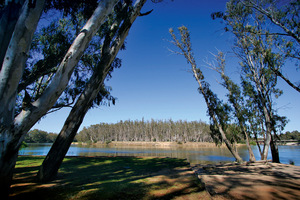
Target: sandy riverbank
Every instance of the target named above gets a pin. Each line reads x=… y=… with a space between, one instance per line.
x=158 y=144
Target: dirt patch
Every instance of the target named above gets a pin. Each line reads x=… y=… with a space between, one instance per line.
x=179 y=183
x=251 y=180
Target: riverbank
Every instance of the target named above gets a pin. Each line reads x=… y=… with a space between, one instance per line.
x=157 y=144
x=259 y=180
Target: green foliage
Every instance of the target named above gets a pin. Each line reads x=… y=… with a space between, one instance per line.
x=23 y=145
x=72 y=8
x=255 y=45
x=50 y=44
x=218 y=111
x=39 y=136
x=294 y=135
x=273 y=27
x=159 y=131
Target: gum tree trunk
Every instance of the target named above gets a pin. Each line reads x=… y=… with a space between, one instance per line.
x=9 y=16
x=274 y=150
x=13 y=129
x=54 y=158
x=20 y=34
x=251 y=154
x=186 y=50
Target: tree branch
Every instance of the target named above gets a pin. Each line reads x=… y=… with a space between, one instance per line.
x=276 y=22
x=278 y=73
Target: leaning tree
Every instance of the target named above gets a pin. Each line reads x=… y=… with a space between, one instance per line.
x=13 y=128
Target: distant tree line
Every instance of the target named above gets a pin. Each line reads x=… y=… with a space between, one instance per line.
x=160 y=131
x=294 y=135
x=154 y=130
x=39 y=136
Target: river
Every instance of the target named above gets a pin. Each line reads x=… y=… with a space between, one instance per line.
x=193 y=155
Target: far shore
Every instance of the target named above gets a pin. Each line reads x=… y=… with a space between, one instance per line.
x=166 y=144
x=157 y=144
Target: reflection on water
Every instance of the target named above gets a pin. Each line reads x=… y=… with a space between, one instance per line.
x=194 y=156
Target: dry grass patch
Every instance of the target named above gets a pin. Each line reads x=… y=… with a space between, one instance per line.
x=109 y=178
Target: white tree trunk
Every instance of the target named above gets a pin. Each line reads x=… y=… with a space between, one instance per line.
x=15 y=58
x=61 y=145
x=13 y=130
x=9 y=16
x=27 y=118
x=10 y=75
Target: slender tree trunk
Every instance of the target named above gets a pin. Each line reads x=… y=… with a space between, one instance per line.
x=262 y=93
x=258 y=146
x=232 y=150
x=268 y=135
x=54 y=158
x=274 y=150
x=13 y=130
x=273 y=145
x=251 y=154
x=60 y=147
x=296 y=87
x=185 y=46
x=230 y=147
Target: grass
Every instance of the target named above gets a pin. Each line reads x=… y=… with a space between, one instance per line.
x=109 y=178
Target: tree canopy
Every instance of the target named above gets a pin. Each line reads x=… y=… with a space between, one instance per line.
x=151 y=131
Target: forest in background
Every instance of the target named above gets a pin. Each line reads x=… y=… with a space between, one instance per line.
x=154 y=130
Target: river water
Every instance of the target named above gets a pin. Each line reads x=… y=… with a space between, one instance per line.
x=193 y=155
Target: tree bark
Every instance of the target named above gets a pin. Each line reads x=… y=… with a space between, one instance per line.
x=11 y=71
x=54 y=158
x=9 y=16
x=274 y=150
x=278 y=73
x=232 y=150
x=251 y=154
x=268 y=133
x=15 y=57
x=9 y=153
x=186 y=48
x=13 y=130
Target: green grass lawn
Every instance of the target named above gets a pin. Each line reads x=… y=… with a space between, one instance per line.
x=109 y=178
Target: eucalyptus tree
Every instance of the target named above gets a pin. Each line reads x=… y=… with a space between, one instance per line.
x=49 y=45
x=236 y=99
x=115 y=35
x=284 y=18
x=254 y=47
x=217 y=110
x=14 y=125
x=254 y=114
x=279 y=20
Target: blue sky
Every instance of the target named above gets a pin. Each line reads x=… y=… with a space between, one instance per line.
x=155 y=84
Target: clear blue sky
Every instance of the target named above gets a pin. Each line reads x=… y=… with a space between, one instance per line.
x=155 y=84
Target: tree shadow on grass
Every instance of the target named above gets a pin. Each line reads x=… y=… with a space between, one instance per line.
x=254 y=181
x=110 y=178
